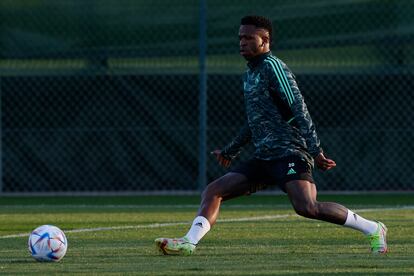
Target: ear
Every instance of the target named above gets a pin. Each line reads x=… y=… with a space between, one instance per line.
x=265 y=39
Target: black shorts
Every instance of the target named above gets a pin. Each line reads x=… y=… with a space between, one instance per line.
x=265 y=173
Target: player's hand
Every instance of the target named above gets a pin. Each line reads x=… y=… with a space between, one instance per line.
x=220 y=158
x=324 y=163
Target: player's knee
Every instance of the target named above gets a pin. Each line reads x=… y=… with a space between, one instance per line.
x=212 y=190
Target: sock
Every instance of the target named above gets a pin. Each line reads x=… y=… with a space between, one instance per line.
x=197 y=231
x=359 y=223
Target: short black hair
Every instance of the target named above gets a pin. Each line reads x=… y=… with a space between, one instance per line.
x=259 y=22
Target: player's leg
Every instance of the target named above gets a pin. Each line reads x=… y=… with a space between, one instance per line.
x=228 y=186
x=302 y=195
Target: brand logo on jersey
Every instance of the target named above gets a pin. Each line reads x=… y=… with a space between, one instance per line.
x=291 y=165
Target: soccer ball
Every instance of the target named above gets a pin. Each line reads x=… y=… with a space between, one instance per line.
x=47 y=243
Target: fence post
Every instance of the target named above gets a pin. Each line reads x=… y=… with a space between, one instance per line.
x=1 y=142
x=202 y=162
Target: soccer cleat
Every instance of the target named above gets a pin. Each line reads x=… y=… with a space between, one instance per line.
x=179 y=246
x=378 y=239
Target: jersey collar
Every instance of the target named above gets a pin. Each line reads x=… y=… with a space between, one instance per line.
x=257 y=60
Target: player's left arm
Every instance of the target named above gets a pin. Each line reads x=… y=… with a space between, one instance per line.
x=303 y=119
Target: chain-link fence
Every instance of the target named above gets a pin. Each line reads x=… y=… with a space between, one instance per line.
x=105 y=95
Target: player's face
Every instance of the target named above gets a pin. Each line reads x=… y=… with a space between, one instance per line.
x=251 y=41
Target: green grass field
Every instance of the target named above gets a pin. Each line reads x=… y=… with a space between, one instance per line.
x=257 y=235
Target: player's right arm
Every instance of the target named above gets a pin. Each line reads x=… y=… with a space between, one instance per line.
x=233 y=149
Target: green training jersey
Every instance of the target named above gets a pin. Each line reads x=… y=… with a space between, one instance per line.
x=278 y=122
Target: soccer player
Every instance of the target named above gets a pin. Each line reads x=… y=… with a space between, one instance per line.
x=286 y=148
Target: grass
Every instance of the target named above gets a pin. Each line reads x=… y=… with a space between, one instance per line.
x=285 y=245
x=314 y=60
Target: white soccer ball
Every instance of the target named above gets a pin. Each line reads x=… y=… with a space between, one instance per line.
x=47 y=243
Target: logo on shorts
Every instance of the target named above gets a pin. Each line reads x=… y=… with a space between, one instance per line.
x=291 y=171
